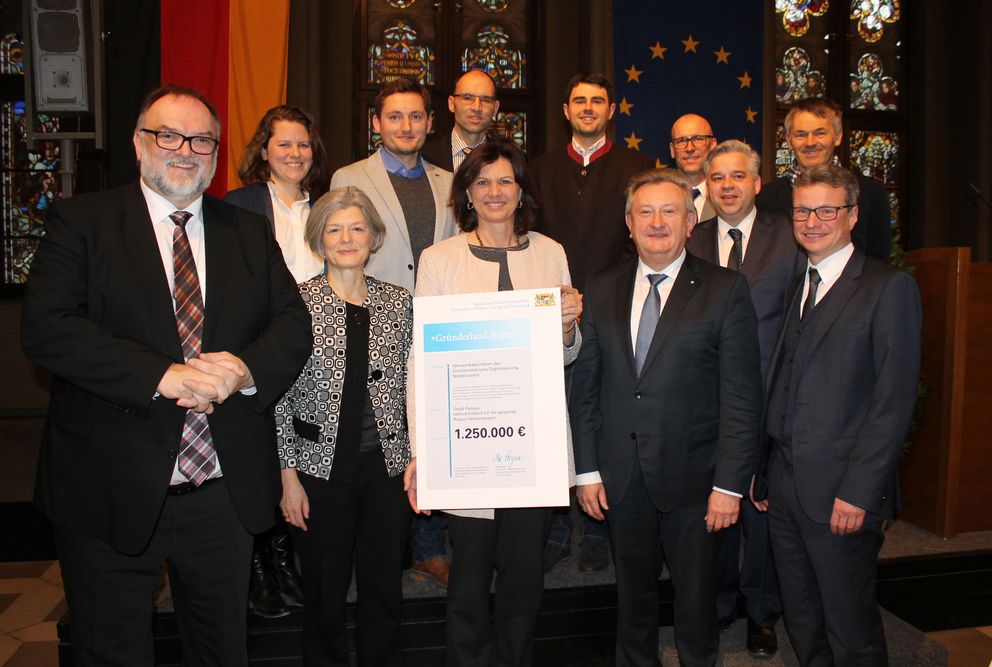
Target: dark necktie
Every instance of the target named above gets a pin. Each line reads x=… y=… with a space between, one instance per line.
x=695 y=193
x=197 y=458
x=649 y=321
x=736 y=259
x=810 y=302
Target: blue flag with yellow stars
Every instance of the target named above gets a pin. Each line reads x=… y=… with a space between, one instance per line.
x=675 y=57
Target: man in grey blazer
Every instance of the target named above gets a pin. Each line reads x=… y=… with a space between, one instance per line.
x=763 y=248
x=410 y=194
x=841 y=389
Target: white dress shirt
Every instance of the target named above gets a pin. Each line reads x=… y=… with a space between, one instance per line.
x=159 y=209
x=726 y=244
x=587 y=153
x=290 y=223
x=700 y=201
x=829 y=270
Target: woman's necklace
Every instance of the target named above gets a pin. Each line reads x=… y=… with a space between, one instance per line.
x=516 y=240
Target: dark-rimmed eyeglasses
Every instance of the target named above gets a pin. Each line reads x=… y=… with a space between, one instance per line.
x=824 y=213
x=173 y=141
x=469 y=98
x=696 y=139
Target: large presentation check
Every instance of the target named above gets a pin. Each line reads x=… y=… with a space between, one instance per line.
x=490 y=400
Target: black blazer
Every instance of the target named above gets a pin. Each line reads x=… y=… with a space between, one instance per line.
x=692 y=416
x=773 y=259
x=437 y=150
x=855 y=381
x=99 y=315
x=257 y=199
x=873 y=233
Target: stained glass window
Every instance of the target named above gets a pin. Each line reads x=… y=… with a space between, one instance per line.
x=512 y=125
x=797 y=15
x=494 y=39
x=853 y=53
x=875 y=65
x=29 y=181
x=783 y=152
x=796 y=79
x=374 y=138
x=401 y=54
x=876 y=154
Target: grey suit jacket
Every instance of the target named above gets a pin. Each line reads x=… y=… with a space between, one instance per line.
x=854 y=380
x=772 y=260
x=393 y=263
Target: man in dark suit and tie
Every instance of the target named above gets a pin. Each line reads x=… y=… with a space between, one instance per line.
x=170 y=325
x=665 y=410
x=473 y=105
x=841 y=388
x=763 y=248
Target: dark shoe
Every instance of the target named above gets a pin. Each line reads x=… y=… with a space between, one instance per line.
x=554 y=554
x=263 y=598
x=594 y=555
x=762 y=642
x=435 y=569
x=287 y=579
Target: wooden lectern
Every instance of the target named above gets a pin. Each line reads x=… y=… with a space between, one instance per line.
x=947 y=476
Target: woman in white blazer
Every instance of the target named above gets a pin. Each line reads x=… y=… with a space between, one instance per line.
x=493 y=197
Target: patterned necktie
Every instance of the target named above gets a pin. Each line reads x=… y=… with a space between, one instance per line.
x=695 y=193
x=649 y=321
x=736 y=259
x=197 y=458
x=810 y=302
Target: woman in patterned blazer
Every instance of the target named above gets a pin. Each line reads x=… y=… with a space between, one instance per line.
x=343 y=443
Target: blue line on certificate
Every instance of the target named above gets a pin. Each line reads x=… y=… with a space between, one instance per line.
x=449 y=422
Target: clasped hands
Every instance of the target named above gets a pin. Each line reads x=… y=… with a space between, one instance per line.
x=204 y=381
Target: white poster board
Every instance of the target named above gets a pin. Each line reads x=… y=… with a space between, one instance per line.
x=490 y=400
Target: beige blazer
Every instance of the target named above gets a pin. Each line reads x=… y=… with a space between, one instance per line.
x=393 y=262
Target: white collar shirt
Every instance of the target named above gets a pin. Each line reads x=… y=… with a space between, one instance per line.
x=829 y=270
x=726 y=243
x=587 y=153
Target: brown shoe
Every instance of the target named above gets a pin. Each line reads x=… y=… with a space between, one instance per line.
x=435 y=569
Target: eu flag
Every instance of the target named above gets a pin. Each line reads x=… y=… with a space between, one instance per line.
x=675 y=57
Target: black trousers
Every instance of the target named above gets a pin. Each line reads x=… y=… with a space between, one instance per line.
x=750 y=570
x=361 y=524
x=110 y=594
x=513 y=544
x=639 y=533
x=827 y=581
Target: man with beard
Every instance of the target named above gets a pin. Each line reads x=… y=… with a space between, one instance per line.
x=410 y=193
x=474 y=105
x=581 y=189
x=690 y=145
x=160 y=442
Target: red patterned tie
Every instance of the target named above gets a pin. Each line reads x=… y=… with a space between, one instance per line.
x=197 y=458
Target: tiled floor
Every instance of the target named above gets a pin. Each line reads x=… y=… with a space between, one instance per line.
x=31 y=602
